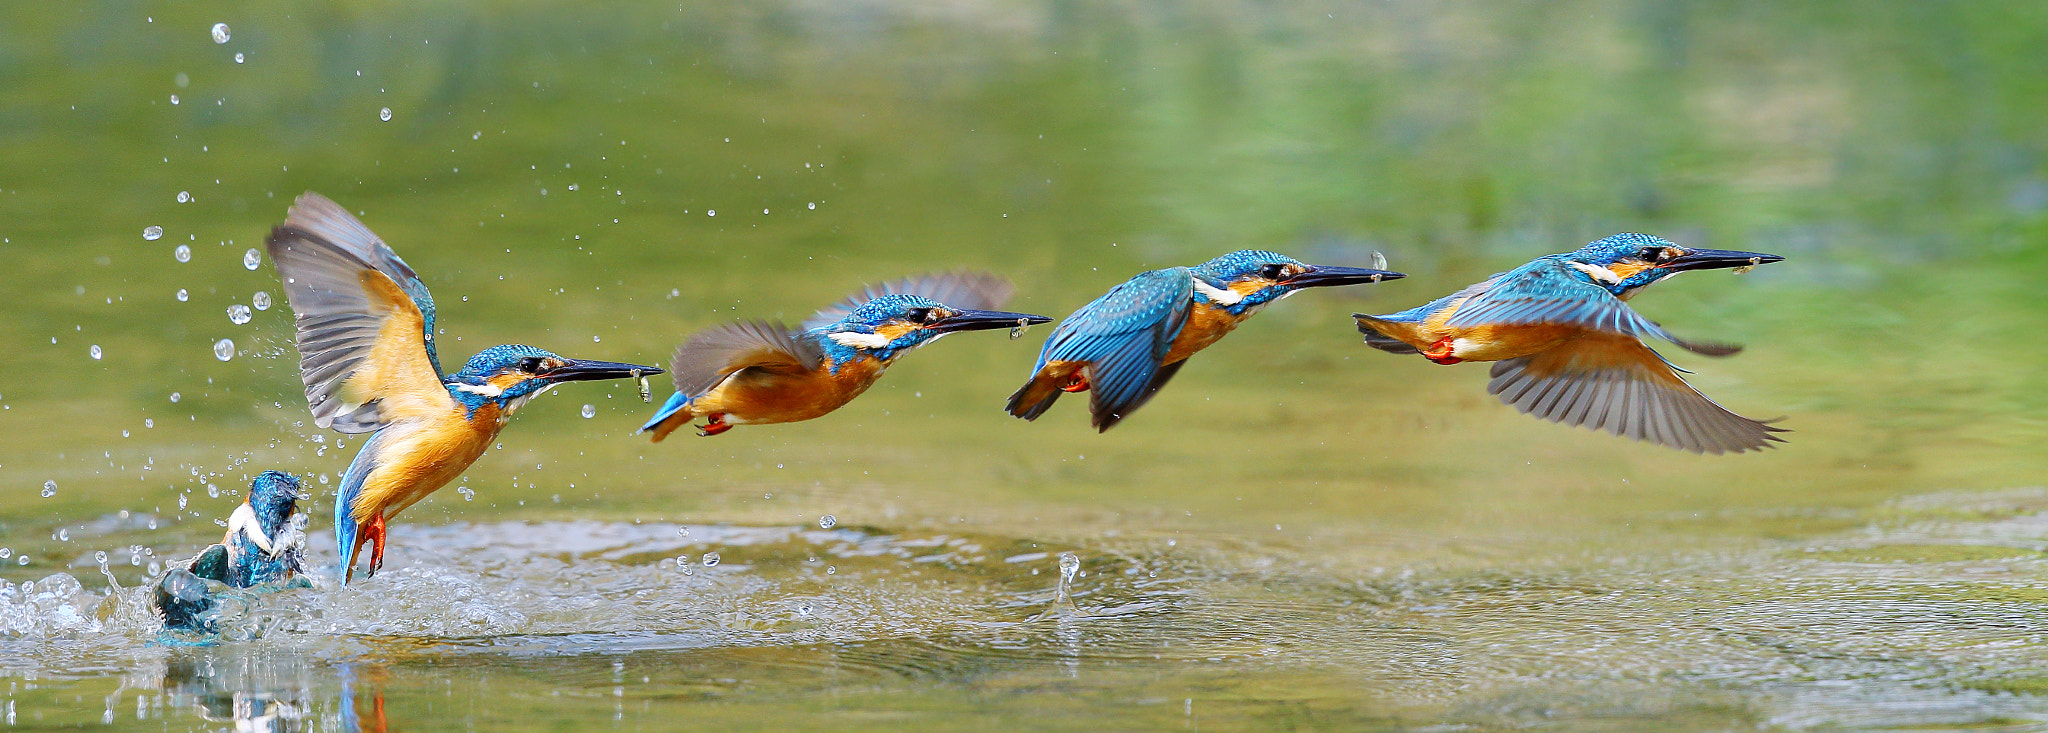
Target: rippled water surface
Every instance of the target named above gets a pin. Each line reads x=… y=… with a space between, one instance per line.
x=1299 y=533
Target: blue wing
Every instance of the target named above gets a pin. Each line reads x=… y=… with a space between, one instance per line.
x=1122 y=336
x=364 y=318
x=1550 y=290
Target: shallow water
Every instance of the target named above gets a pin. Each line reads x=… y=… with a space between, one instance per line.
x=1299 y=533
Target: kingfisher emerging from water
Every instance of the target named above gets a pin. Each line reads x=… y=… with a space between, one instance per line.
x=262 y=550
x=758 y=372
x=366 y=347
x=1567 y=348
x=1128 y=343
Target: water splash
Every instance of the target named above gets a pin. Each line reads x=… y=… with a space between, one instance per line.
x=220 y=33
x=152 y=232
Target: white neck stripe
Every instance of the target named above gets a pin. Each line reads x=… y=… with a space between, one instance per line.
x=859 y=340
x=1224 y=297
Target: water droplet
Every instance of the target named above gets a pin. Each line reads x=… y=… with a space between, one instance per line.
x=220 y=33
x=261 y=300
x=95 y=351
x=213 y=490
x=64 y=535
x=710 y=212
x=572 y=186
x=238 y=57
x=682 y=531
x=826 y=522
x=175 y=397
x=184 y=197
x=174 y=100
x=238 y=314
x=23 y=560
x=252 y=259
x=49 y=489
x=155 y=568
x=814 y=206
x=100 y=557
x=468 y=494
x=831 y=570
x=182 y=254
x=182 y=500
x=149 y=422
x=152 y=232
x=1069 y=563
x=589 y=411
x=384 y=114
x=6 y=552
x=596 y=340
x=224 y=349
x=802 y=609
x=710 y=559
x=183 y=296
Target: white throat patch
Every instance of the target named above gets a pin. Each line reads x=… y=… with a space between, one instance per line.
x=486 y=389
x=859 y=340
x=1598 y=273
x=1222 y=297
x=244 y=521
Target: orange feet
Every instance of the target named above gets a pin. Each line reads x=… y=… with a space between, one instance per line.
x=716 y=425
x=375 y=533
x=1079 y=383
x=1440 y=352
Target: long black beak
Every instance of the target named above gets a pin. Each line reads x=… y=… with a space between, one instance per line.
x=1714 y=259
x=984 y=320
x=578 y=370
x=1319 y=276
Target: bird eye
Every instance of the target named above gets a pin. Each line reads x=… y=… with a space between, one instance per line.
x=918 y=315
x=1273 y=272
x=1656 y=254
x=530 y=365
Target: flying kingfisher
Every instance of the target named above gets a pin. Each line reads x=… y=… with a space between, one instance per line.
x=366 y=347
x=1130 y=342
x=1567 y=348
x=756 y=372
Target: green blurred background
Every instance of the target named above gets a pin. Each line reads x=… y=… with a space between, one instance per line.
x=601 y=180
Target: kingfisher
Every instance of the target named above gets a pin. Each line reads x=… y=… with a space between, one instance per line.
x=1567 y=348
x=1127 y=344
x=366 y=354
x=757 y=372
x=263 y=547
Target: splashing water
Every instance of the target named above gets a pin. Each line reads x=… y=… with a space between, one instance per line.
x=827 y=521
x=252 y=259
x=183 y=253
x=261 y=300
x=238 y=314
x=152 y=232
x=49 y=488
x=183 y=296
x=589 y=411
x=224 y=349
x=220 y=33
x=384 y=114
x=95 y=352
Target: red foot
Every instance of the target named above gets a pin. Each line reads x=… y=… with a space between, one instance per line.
x=376 y=534
x=715 y=426
x=1079 y=383
x=1440 y=352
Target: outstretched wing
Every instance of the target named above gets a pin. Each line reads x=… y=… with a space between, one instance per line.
x=713 y=354
x=1122 y=336
x=365 y=321
x=1613 y=382
x=1552 y=291
x=962 y=289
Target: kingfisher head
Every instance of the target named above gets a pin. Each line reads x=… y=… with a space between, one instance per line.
x=1250 y=278
x=888 y=325
x=273 y=498
x=1625 y=263
x=510 y=375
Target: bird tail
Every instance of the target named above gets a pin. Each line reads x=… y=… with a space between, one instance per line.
x=1037 y=395
x=346 y=541
x=1386 y=335
x=673 y=414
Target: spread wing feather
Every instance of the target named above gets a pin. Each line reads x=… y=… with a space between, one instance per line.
x=1123 y=335
x=1552 y=291
x=960 y=289
x=1613 y=382
x=714 y=354
x=365 y=322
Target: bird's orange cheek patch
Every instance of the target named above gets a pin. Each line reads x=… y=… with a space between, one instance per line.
x=505 y=381
x=892 y=331
x=1250 y=285
x=1628 y=269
